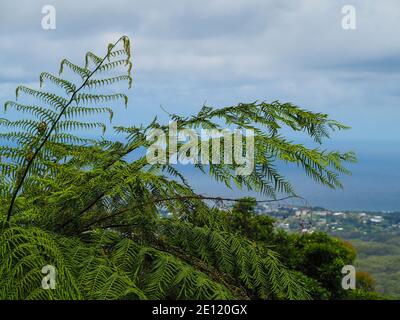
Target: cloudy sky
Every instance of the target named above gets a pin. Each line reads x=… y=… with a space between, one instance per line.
x=225 y=52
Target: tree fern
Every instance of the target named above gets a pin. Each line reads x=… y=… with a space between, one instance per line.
x=80 y=204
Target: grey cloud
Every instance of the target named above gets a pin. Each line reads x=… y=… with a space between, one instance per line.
x=224 y=51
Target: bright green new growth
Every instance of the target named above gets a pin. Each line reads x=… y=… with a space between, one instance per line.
x=80 y=205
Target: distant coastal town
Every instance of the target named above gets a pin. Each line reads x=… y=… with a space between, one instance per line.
x=348 y=224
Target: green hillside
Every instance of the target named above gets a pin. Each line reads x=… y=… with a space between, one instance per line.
x=382 y=261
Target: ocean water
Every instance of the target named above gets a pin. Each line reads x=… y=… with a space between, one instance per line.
x=373 y=186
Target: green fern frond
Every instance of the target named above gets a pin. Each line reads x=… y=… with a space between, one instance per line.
x=66 y=85
x=82 y=72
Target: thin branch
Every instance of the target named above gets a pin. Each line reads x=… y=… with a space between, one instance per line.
x=199 y=197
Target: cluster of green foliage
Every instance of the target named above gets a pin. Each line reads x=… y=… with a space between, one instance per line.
x=81 y=205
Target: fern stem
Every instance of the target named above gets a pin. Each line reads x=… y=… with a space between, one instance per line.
x=29 y=164
x=98 y=198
